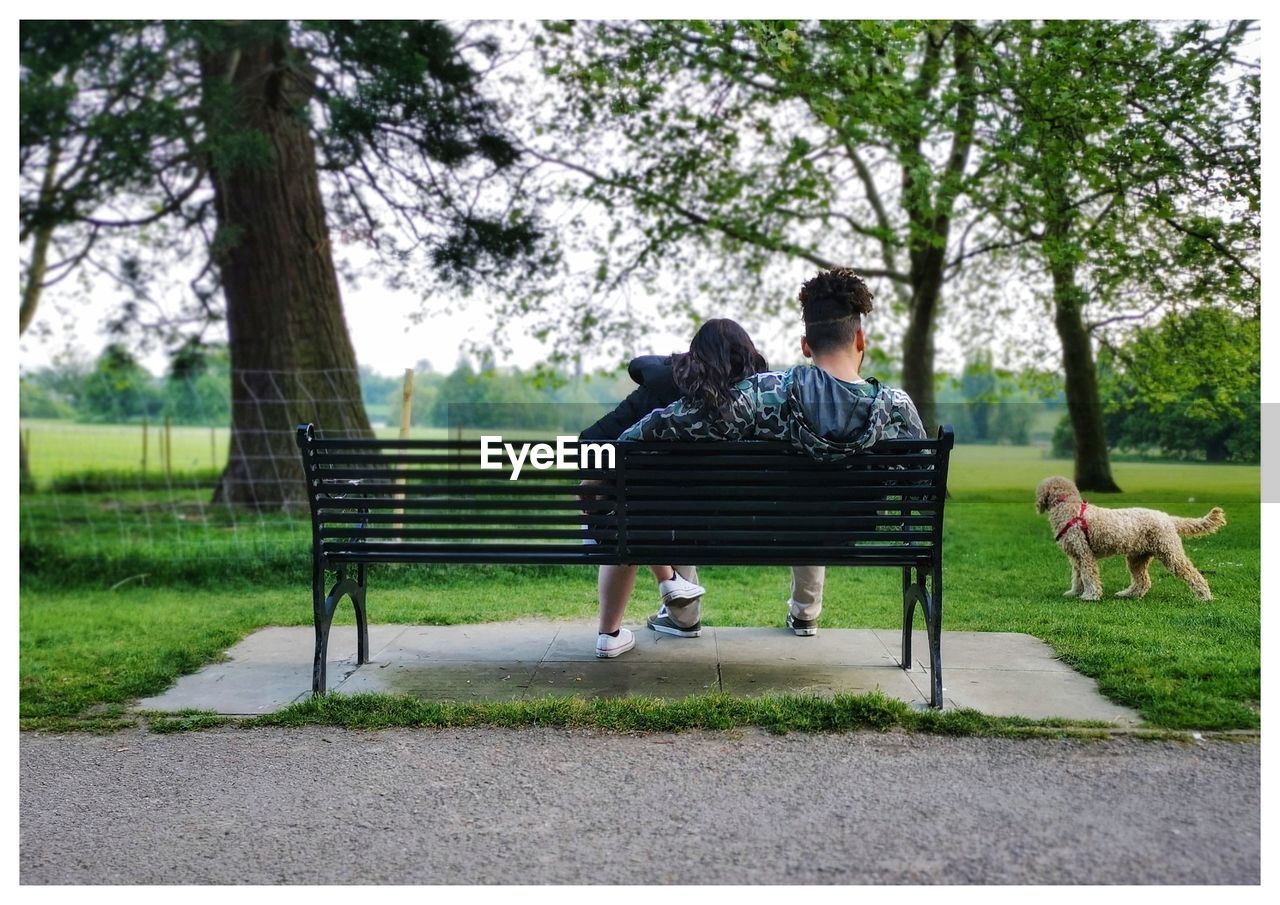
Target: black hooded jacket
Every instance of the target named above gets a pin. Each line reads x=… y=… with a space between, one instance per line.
x=656 y=389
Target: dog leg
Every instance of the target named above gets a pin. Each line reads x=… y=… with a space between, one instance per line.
x=1076 y=585
x=1140 y=580
x=1176 y=562
x=1089 y=576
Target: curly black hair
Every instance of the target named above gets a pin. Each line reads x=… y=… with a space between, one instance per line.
x=833 y=303
x=720 y=354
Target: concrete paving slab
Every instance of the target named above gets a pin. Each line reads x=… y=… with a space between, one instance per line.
x=268 y=670
x=443 y=680
x=577 y=643
x=1036 y=694
x=619 y=677
x=841 y=647
x=995 y=672
x=980 y=650
x=525 y=640
x=752 y=679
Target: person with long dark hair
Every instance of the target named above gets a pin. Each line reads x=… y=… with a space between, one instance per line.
x=677 y=585
x=720 y=355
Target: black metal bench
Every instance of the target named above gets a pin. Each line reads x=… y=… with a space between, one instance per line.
x=710 y=503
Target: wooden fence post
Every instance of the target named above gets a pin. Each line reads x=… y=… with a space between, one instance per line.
x=406 y=404
x=168 y=447
x=144 y=445
x=406 y=416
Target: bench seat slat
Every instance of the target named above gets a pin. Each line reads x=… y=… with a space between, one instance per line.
x=513 y=488
x=696 y=498
x=603 y=555
x=695 y=447
x=870 y=477
x=790 y=462
x=656 y=519
x=709 y=536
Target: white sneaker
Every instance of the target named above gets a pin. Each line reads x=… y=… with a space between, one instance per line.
x=609 y=646
x=680 y=591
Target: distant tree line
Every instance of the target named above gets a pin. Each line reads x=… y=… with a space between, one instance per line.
x=1187 y=387
x=196 y=389
x=487 y=396
x=986 y=404
x=116 y=389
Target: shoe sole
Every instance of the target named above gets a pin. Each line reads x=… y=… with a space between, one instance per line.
x=803 y=632
x=608 y=654
x=682 y=601
x=678 y=632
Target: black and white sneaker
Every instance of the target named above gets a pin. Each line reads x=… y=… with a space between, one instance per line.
x=661 y=621
x=803 y=627
x=679 y=591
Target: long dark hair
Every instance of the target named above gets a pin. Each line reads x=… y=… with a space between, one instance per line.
x=720 y=354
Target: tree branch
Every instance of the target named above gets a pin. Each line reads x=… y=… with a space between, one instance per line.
x=1215 y=245
x=1119 y=318
x=738 y=233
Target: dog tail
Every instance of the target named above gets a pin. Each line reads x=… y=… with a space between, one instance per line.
x=1198 y=527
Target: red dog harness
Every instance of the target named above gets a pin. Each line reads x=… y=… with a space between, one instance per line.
x=1075 y=520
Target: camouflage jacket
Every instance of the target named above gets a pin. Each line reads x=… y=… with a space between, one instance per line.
x=825 y=417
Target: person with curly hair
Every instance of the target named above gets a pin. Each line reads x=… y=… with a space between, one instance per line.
x=827 y=410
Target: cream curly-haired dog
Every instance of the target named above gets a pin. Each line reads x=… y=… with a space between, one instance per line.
x=1087 y=533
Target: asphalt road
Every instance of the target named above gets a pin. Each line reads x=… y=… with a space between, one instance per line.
x=556 y=806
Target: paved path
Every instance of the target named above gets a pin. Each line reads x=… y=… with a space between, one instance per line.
x=557 y=806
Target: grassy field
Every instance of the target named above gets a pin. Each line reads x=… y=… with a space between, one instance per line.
x=57 y=448
x=123 y=592
x=64 y=448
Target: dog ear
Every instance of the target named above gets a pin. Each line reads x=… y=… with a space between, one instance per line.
x=1044 y=494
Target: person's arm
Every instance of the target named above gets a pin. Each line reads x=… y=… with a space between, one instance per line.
x=684 y=420
x=628 y=411
x=655 y=389
x=680 y=420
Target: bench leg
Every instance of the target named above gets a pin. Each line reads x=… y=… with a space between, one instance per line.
x=362 y=620
x=915 y=590
x=908 y=614
x=325 y=605
x=323 y=618
x=934 y=612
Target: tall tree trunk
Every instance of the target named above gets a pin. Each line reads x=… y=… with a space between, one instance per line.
x=25 y=481
x=1092 y=461
x=917 y=343
x=33 y=280
x=291 y=356
x=930 y=218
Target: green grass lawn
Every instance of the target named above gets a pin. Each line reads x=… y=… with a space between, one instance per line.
x=190 y=580
x=58 y=448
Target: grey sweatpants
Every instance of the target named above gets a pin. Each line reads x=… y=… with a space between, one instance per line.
x=805 y=602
